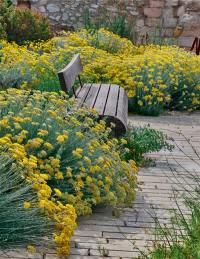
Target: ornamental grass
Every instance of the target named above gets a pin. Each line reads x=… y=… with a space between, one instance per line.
x=155 y=77
x=22 y=222
x=71 y=163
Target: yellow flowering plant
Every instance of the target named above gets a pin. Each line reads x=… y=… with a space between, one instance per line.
x=70 y=159
x=155 y=77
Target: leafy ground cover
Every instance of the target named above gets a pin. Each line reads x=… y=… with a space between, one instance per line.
x=143 y=140
x=155 y=77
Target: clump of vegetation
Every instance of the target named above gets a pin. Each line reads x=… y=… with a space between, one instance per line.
x=22 y=24
x=4 y=13
x=182 y=239
x=22 y=221
x=117 y=25
x=71 y=162
x=143 y=140
x=154 y=77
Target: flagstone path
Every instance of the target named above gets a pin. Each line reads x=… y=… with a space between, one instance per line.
x=104 y=235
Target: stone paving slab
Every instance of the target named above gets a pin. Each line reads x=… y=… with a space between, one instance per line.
x=102 y=235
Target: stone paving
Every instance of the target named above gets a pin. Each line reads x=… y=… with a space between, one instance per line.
x=103 y=235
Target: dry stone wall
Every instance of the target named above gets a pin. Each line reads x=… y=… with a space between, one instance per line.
x=180 y=18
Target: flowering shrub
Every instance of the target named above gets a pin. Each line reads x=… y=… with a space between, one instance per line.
x=155 y=77
x=70 y=160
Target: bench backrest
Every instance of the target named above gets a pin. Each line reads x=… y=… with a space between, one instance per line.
x=68 y=75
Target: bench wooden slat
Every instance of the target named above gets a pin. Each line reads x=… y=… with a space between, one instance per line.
x=92 y=95
x=122 y=109
x=82 y=93
x=101 y=99
x=112 y=101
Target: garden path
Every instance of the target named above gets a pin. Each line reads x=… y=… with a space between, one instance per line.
x=103 y=235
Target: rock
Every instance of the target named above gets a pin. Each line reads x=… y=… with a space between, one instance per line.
x=157 y=3
x=52 y=8
x=65 y=16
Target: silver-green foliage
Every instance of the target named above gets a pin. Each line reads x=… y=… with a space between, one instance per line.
x=19 y=226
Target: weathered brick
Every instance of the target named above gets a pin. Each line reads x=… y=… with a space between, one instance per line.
x=168 y=13
x=172 y=2
x=190 y=32
x=157 y=3
x=152 y=12
x=181 y=10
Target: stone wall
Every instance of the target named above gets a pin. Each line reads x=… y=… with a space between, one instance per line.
x=180 y=18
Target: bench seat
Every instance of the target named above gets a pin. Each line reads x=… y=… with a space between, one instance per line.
x=109 y=100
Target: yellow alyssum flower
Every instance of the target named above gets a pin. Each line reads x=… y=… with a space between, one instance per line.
x=58 y=192
x=31 y=249
x=79 y=134
x=43 y=133
x=35 y=143
x=59 y=175
x=27 y=205
x=4 y=123
x=48 y=145
x=77 y=152
x=61 y=138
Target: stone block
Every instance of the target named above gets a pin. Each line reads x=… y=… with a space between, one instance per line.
x=172 y=2
x=157 y=3
x=140 y=23
x=191 y=32
x=42 y=9
x=170 y=22
x=52 y=8
x=181 y=11
x=65 y=16
x=152 y=12
x=168 y=12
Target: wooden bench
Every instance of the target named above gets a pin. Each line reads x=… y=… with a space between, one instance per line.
x=109 y=100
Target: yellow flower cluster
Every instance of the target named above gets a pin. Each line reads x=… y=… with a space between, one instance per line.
x=155 y=77
x=70 y=160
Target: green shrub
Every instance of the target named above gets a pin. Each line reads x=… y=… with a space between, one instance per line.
x=117 y=25
x=26 y=25
x=4 y=12
x=142 y=140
